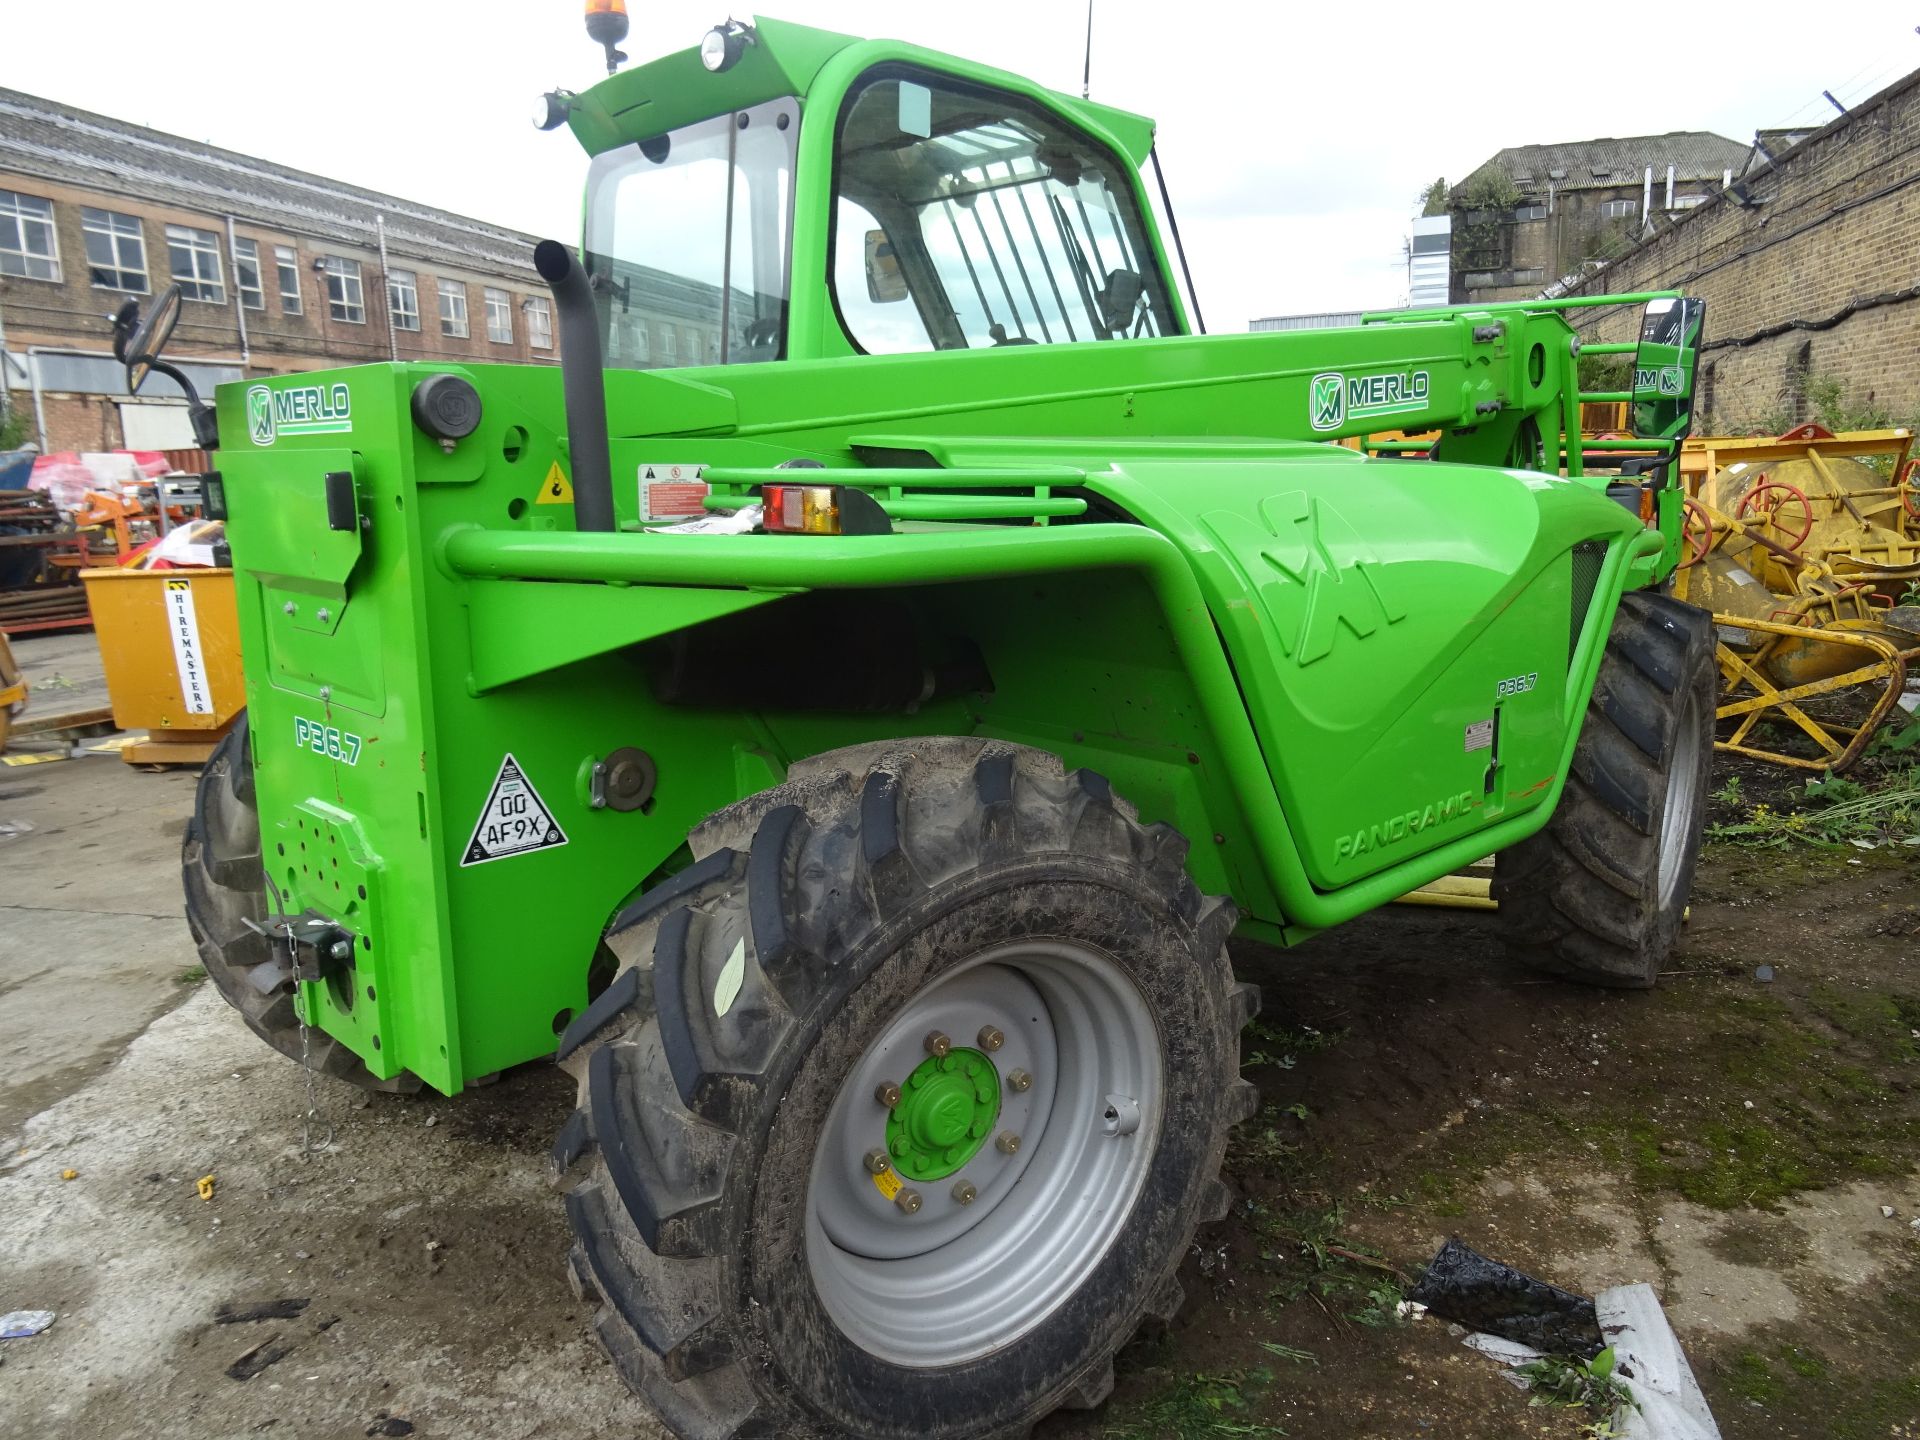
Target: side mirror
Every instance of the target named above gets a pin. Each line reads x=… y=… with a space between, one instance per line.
x=145 y=339
x=1664 y=367
x=137 y=344
x=886 y=282
x=1120 y=301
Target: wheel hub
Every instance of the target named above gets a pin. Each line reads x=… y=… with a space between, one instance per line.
x=929 y=1245
x=946 y=1112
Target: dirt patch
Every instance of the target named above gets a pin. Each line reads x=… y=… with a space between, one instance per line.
x=1730 y=1140
x=1416 y=1084
x=425 y=1240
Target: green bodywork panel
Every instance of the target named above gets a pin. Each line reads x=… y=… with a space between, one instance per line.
x=1338 y=676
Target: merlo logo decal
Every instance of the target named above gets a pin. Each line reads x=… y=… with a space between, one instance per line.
x=1327 y=402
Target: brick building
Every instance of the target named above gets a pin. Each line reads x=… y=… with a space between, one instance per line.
x=1534 y=214
x=1810 y=267
x=282 y=272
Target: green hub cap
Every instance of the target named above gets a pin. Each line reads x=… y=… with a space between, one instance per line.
x=946 y=1111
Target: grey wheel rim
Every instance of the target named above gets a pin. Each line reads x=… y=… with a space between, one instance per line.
x=1680 y=814
x=954 y=1281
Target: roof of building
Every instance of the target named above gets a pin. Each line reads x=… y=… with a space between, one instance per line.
x=59 y=142
x=1609 y=162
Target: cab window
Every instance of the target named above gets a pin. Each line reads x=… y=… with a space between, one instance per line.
x=965 y=217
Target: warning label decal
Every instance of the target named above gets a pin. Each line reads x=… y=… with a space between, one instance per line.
x=515 y=821
x=672 y=492
x=554 y=490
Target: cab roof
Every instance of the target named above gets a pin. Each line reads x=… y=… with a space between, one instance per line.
x=676 y=90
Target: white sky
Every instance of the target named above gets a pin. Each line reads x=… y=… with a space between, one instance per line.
x=1295 y=138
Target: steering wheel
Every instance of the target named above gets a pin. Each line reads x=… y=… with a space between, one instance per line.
x=1764 y=502
x=1696 y=529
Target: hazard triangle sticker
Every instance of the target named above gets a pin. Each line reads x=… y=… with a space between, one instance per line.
x=516 y=820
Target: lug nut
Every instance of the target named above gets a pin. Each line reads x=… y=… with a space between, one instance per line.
x=887 y=1093
x=878 y=1163
x=908 y=1201
x=938 y=1044
x=1019 y=1081
x=990 y=1039
x=1008 y=1143
x=963 y=1192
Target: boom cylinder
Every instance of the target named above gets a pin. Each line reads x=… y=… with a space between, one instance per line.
x=583 y=377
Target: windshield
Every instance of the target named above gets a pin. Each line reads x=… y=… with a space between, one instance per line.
x=687 y=241
x=967 y=217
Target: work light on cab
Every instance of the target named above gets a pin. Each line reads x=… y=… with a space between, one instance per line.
x=550 y=110
x=722 y=46
x=821 y=510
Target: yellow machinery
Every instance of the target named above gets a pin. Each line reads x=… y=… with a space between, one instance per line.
x=13 y=691
x=1806 y=548
x=170 y=642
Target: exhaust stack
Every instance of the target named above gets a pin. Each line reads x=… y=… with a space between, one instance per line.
x=583 y=376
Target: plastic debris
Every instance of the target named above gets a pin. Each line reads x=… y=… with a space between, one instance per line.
x=268 y=1352
x=1482 y=1294
x=205 y=1186
x=19 y=1324
x=69 y=1174
x=1764 y=974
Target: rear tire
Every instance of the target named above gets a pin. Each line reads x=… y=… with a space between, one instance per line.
x=226 y=887
x=1599 y=894
x=727 y=1096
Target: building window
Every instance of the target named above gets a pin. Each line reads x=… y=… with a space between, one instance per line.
x=499 y=316
x=246 y=273
x=669 y=342
x=1530 y=212
x=288 y=264
x=193 y=259
x=642 y=342
x=116 y=250
x=1687 y=202
x=1529 y=277
x=539 y=322
x=1619 y=209
x=1480 y=279
x=27 y=247
x=403 y=299
x=453 y=309
x=346 y=300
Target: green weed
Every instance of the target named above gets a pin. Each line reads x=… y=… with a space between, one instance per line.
x=1588 y=1385
x=1836 y=811
x=192 y=975
x=1196 y=1407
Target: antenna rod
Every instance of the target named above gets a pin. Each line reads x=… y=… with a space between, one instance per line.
x=1086 y=72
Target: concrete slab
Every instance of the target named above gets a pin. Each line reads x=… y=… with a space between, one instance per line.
x=92 y=939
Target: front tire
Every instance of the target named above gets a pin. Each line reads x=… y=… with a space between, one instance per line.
x=1599 y=894
x=758 y=1278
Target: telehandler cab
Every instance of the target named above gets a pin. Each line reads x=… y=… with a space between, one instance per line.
x=848 y=748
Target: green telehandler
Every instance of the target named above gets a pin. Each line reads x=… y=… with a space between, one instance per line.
x=848 y=748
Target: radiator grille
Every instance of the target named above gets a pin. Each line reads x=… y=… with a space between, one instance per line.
x=1589 y=557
